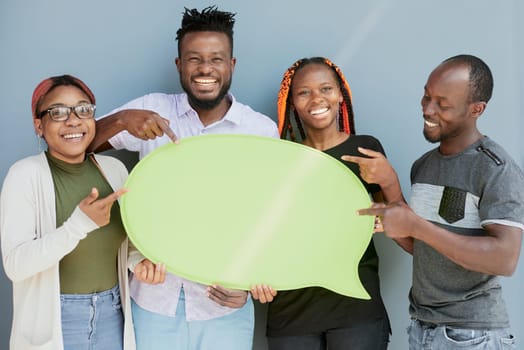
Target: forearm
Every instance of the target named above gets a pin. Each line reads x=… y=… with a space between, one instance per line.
x=30 y=256
x=106 y=128
x=491 y=254
x=406 y=244
x=391 y=190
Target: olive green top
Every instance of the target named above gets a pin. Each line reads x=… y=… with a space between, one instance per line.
x=92 y=265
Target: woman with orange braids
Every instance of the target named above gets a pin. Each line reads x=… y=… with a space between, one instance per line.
x=317 y=93
x=63 y=243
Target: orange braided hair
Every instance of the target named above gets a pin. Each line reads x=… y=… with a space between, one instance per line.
x=285 y=126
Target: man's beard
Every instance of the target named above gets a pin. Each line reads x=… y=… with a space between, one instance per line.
x=431 y=139
x=197 y=103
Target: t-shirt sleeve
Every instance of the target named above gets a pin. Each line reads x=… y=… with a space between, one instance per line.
x=502 y=200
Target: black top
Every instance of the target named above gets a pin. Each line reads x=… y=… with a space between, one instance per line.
x=315 y=309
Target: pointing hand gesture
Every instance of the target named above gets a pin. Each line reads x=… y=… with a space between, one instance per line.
x=146 y=124
x=376 y=169
x=99 y=210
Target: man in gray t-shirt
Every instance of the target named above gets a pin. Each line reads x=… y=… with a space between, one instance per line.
x=464 y=226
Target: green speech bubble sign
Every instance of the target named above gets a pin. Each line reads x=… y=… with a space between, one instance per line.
x=241 y=210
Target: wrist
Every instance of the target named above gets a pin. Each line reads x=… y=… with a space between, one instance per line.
x=392 y=192
x=121 y=120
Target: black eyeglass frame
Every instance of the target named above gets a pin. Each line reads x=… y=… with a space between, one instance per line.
x=71 y=109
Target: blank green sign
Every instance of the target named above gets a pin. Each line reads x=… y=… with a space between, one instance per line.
x=240 y=210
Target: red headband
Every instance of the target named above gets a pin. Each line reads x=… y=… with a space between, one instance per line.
x=49 y=84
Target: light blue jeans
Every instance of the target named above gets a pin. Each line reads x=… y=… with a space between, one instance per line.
x=92 y=321
x=158 y=332
x=423 y=336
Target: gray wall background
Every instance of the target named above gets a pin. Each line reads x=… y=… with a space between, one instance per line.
x=123 y=49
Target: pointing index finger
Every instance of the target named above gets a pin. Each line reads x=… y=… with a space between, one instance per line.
x=168 y=131
x=354 y=159
x=370 y=153
x=114 y=196
x=371 y=211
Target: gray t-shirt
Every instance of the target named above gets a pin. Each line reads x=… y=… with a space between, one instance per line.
x=462 y=193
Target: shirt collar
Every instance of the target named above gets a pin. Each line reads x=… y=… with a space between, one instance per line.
x=233 y=115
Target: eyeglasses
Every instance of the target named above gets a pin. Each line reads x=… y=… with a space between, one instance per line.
x=62 y=113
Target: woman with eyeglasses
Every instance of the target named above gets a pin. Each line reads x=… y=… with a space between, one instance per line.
x=63 y=243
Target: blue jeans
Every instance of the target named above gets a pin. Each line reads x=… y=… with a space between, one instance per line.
x=424 y=336
x=92 y=321
x=159 y=332
x=365 y=336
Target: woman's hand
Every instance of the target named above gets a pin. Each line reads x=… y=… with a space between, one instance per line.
x=99 y=210
x=263 y=293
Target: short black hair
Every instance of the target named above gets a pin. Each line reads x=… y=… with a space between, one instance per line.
x=480 y=77
x=209 y=19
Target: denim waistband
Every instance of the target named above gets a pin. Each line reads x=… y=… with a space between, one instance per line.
x=426 y=324
x=113 y=292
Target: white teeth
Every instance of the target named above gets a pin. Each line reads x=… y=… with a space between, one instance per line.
x=430 y=124
x=319 y=111
x=72 y=136
x=205 y=81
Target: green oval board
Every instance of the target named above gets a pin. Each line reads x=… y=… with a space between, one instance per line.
x=240 y=210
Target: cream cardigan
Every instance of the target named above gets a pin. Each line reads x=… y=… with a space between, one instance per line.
x=32 y=246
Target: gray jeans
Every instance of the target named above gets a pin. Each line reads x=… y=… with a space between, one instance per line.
x=424 y=336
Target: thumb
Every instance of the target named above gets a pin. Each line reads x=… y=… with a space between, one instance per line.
x=92 y=196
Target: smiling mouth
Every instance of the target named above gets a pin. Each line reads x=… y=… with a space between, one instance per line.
x=430 y=124
x=319 y=111
x=205 y=81
x=73 y=136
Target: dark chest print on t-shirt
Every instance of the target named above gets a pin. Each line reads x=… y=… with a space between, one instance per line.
x=452 y=204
